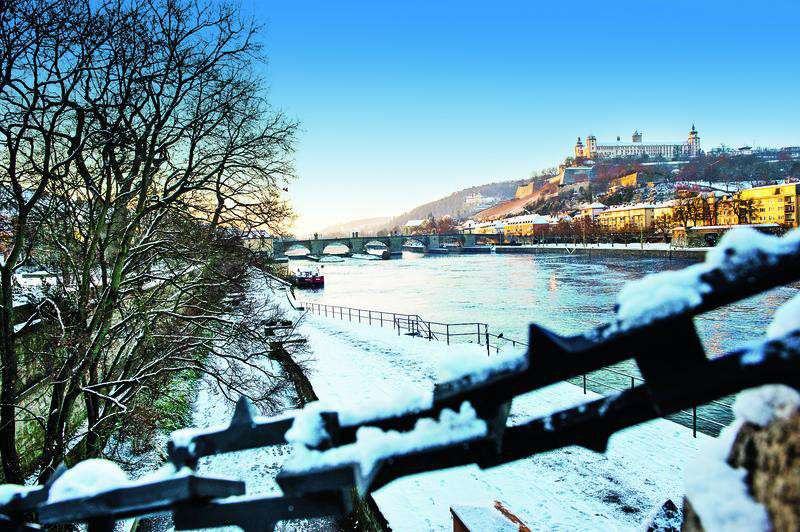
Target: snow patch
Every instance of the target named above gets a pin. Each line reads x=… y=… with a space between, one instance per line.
x=9 y=491
x=183 y=437
x=373 y=444
x=786 y=319
x=86 y=479
x=456 y=364
x=308 y=427
x=765 y=404
x=719 y=493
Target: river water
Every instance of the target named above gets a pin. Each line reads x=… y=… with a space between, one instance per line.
x=565 y=293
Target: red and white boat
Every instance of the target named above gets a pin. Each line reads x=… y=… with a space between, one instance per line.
x=308 y=279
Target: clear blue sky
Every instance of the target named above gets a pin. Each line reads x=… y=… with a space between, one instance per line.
x=405 y=102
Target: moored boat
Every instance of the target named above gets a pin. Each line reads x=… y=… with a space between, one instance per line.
x=307 y=279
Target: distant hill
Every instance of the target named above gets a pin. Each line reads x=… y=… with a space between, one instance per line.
x=454 y=204
x=364 y=225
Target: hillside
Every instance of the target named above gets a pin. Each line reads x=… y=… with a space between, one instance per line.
x=454 y=205
x=364 y=225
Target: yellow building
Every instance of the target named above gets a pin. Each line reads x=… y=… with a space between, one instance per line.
x=639 y=216
x=663 y=214
x=591 y=211
x=485 y=228
x=767 y=204
x=525 y=225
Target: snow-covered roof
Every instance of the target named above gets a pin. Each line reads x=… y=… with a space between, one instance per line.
x=595 y=205
x=630 y=207
x=770 y=186
x=527 y=218
x=623 y=144
x=414 y=223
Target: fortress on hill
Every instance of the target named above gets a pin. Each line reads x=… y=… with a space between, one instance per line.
x=636 y=148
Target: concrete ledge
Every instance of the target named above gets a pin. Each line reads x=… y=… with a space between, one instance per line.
x=632 y=252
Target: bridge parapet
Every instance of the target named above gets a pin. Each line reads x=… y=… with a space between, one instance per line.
x=316 y=246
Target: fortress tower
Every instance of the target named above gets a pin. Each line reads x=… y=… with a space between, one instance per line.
x=591 y=146
x=694 y=142
x=579 y=149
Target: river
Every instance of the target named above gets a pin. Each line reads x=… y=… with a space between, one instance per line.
x=565 y=293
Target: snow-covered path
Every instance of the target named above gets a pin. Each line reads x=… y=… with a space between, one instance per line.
x=567 y=489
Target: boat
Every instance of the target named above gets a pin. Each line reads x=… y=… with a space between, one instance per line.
x=438 y=251
x=307 y=279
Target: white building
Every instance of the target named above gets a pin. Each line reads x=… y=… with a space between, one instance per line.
x=636 y=148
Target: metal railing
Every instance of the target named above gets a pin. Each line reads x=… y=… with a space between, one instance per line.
x=474 y=332
x=408 y=324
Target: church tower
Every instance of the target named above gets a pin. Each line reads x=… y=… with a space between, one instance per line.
x=637 y=137
x=579 y=149
x=694 y=142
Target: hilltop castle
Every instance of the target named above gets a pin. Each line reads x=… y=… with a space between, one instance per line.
x=637 y=148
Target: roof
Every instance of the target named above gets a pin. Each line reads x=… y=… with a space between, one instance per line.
x=770 y=186
x=621 y=144
x=414 y=223
x=595 y=205
x=631 y=207
x=528 y=218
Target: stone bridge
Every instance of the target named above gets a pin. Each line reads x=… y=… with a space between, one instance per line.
x=357 y=244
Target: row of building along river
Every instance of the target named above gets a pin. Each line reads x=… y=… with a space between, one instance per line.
x=568 y=294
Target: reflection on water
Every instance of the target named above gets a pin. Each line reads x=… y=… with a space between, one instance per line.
x=565 y=293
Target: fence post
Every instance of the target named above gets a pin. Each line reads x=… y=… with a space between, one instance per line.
x=350 y=314
x=430 y=332
x=694 y=421
x=487 y=341
x=359 y=315
x=584 y=384
x=369 y=313
x=479 y=333
x=448 y=334
x=632 y=383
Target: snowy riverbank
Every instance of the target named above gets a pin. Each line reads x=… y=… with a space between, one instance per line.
x=568 y=489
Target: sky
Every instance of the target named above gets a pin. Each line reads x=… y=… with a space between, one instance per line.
x=401 y=103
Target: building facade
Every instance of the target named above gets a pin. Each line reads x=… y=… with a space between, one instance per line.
x=637 y=148
x=627 y=217
x=761 y=205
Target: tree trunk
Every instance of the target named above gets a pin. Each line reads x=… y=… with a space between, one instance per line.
x=10 y=377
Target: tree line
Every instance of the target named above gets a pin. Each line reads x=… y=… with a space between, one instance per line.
x=138 y=148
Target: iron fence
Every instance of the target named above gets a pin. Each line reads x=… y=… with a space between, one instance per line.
x=475 y=332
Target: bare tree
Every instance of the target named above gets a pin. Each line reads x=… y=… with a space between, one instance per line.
x=171 y=152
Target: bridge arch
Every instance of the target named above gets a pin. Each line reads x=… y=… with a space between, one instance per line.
x=337 y=248
x=297 y=250
x=375 y=242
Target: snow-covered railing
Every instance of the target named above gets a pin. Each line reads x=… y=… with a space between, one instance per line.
x=409 y=324
x=464 y=420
